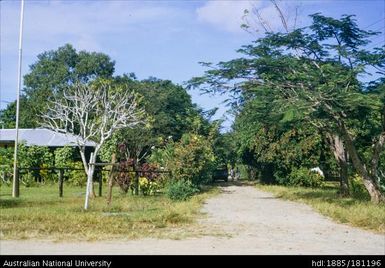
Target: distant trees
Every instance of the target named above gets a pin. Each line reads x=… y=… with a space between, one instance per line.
x=309 y=78
x=53 y=72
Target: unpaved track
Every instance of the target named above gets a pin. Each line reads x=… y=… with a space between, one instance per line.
x=255 y=221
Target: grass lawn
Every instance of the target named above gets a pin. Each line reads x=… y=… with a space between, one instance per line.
x=40 y=213
x=359 y=213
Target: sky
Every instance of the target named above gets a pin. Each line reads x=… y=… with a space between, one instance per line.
x=163 y=39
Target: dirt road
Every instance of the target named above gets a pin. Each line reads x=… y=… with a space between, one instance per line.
x=255 y=221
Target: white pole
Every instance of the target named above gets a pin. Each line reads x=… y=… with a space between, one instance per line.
x=15 y=185
x=89 y=180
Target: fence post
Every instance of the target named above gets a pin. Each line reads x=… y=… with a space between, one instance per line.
x=61 y=180
x=100 y=175
x=16 y=187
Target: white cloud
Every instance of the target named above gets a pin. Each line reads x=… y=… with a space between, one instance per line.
x=226 y=15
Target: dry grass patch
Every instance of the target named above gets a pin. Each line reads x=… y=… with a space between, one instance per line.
x=39 y=213
x=355 y=212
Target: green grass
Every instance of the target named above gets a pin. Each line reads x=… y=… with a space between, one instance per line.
x=39 y=213
x=355 y=212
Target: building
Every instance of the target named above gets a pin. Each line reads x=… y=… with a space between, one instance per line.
x=39 y=137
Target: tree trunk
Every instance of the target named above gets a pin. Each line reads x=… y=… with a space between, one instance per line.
x=84 y=160
x=369 y=180
x=90 y=175
x=339 y=152
x=344 y=181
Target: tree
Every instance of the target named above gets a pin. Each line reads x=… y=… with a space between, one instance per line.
x=313 y=73
x=93 y=112
x=53 y=72
x=171 y=113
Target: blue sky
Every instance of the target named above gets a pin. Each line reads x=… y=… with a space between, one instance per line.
x=164 y=39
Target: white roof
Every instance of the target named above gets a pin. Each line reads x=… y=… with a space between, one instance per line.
x=40 y=137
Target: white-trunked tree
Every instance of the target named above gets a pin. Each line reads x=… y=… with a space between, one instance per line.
x=93 y=112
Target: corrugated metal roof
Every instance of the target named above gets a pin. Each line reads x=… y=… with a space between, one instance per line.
x=40 y=137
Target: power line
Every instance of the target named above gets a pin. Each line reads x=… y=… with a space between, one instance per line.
x=383 y=19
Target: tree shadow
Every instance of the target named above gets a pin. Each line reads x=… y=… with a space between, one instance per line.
x=10 y=203
x=233 y=183
x=331 y=197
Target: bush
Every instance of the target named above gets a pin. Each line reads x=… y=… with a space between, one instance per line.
x=36 y=157
x=180 y=190
x=357 y=188
x=304 y=177
x=77 y=177
x=6 y=165
x=191 y=159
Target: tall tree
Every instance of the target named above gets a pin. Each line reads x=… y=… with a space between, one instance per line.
x=93 y=112
x=315 y=71
x=54 y=71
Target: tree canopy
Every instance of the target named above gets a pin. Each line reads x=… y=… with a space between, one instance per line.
x=310 y=76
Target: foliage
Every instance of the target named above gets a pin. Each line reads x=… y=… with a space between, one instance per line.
x=191 y=159
x=76 y=176
x=126 y=175
x=6 y=164
x=35 y=157
x=148 y=187
x=150 y=181
x=304 y=177
x=181 y=189
x=357 y=188
x=73 y=170
x=310 y=75
x=170 y=112
x=64 y=156
x=54 y=71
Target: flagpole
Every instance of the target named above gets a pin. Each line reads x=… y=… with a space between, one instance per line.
x=15 y=184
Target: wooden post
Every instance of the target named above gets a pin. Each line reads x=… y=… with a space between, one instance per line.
x=16 y=188
x=111 y=179
x=100 y=175
x=61 y=180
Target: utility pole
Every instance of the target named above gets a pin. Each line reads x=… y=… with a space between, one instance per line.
x=15 y=185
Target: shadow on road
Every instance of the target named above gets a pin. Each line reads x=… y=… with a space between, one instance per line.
x=234 y=183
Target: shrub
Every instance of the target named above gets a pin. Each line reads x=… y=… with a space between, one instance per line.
x=304 y=177
x=77 y=177
x=357 y=188
x=191 y=159
x=36 y=157
x=180 y=190
x=6 y=164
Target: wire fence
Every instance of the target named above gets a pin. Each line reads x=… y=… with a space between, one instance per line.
x=60 y=171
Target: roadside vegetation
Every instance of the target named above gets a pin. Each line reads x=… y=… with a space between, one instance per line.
x=356 y=211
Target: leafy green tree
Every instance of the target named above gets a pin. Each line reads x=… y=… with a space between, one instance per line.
x=313 y=74
x=54 y=71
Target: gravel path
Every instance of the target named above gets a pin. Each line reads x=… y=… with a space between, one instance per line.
x=255 y=223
